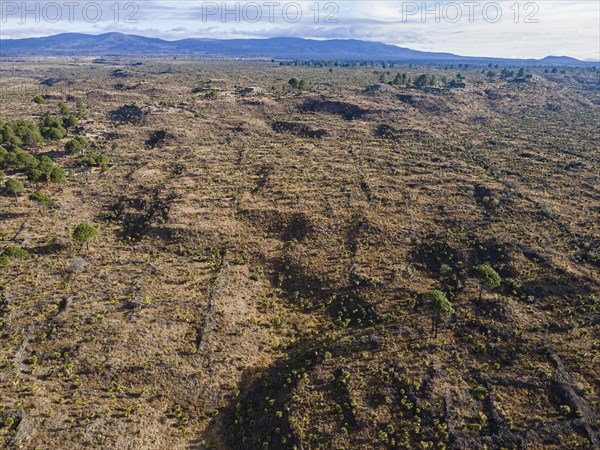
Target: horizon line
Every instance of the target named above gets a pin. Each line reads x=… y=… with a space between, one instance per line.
x=589 y=60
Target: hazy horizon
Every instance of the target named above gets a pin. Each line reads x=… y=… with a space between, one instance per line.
x=484 y=29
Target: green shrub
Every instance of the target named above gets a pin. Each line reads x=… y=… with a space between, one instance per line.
x=46 y=165
x=84 y=232
x=480 y=392
x=41 y=199
x=14 y=187
x=487 y=276
x=27 y=132
x=21 y=160
x=58 y=175
x=13 y=252
x=297 y=84
x=77 y=145
x=7 y=135
x=65 y=110
x=70 y=121
x=439 y=306
x=96 y=161
x=4 y=157
x=54 y=134
x=9 y=422
x=52 y=128
x=39 y=100
x=36 y=176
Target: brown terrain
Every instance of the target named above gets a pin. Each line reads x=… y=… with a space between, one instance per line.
x=259 y=274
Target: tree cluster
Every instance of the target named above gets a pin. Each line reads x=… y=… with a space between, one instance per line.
x=438 y=304
x=297 y=84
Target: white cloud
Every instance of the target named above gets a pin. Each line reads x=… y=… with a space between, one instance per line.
x=562 y=28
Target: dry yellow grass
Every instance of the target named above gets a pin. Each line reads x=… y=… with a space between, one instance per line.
x=256 y=288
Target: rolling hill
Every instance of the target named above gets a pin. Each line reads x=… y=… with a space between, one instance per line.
x=118 y=44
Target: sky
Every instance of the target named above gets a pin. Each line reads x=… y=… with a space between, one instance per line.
x=511 y=29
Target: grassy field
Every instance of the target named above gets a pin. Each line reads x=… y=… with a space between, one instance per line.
x=258 y=280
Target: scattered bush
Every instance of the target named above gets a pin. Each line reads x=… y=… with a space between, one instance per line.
x=70 y=121
x=81 y=111
x=36 y=176
x=58 y=175
x=14 y=187
x=46 y=166
x=132 y=114
x=41 y=199
x=97 y=161
x=65 y=110
x=12 y=252
x=27 y=132
x=77 y=145
x=52 y=128
x=21 y=160
x=297 y=84
x=439 y=306
x=84 y=233
x=425 y=80
x=488 y=278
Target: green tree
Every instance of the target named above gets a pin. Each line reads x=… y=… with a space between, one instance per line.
x=52 y=128
x=14 y=187
x=70 y=121
x=7 y=134
x=439 y=306
x=54 y=134
x=42 y=200
x=488 y=278
x=4 y=157
x=51 y=121
x=36 y=176
x=506 y=73
x=84 y=233
x=77 y=145
x=58 y=175
x=22 y=160
x=294 y=82
x=96 y=161
x=81 y=110
x=64 y=109
x=102 y=162
x=422 y=80
x=46 y=166
x=39 y=100
x=27 y=132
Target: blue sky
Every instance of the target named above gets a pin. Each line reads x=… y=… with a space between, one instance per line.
x=480 y=28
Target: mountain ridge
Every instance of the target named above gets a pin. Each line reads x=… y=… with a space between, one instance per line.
x=120 y=44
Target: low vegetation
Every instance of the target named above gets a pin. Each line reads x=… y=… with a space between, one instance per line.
x=319 y=255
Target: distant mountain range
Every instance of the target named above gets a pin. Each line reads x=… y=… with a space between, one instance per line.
x=118 y=44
